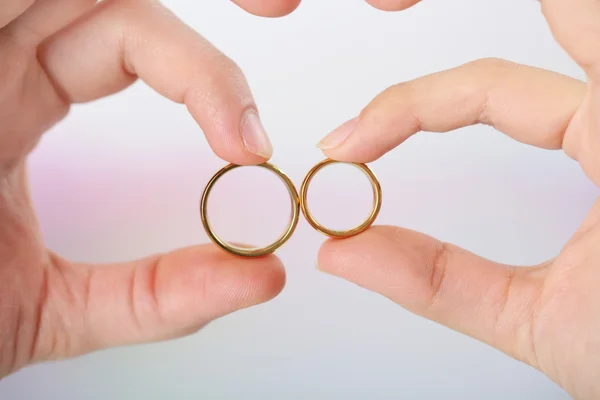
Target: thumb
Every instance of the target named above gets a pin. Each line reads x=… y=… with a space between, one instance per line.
x=93 y=307
x=491 y=302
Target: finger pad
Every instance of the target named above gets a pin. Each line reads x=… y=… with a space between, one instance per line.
x=385 y=259
x=392 y=5
x=268 y=8
x=205 y=282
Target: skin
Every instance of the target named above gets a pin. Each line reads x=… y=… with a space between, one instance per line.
x=544 y=315
x=54 y=53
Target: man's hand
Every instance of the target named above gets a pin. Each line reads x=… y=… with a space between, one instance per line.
x=546 y=315
x=54 y=53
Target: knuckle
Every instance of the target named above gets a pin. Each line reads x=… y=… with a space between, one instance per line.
x=20 y=317
x=378 y=108
x=402 y=88
x=438 y=265
x=488 y=63
x=223 y=70
x=503 y=301
x=222 y=79
x=132 y=15
x=143 y=297
x=489 y=67
x=61 y=316
x=25 y=87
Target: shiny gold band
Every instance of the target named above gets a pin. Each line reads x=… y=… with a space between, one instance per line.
x=298 y=202
x=377 y=195
x=249 y=252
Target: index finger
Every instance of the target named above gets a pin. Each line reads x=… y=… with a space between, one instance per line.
x=530 y=105
x=118 y=41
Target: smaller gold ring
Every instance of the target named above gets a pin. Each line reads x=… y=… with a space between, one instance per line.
x=249 y=252
x=377 y=195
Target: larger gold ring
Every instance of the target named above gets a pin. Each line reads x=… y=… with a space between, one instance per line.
x=249 y=252
x=350 y=232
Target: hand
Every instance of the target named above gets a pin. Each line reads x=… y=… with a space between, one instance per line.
x=547 y=315
x=54 y=53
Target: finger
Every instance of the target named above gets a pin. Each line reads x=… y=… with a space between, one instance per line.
x=576 y=26
x=392 y=5
x=268 y=8
x=153 y=299
x=491 y=302
x=11 y=9
x=528 y=104
x=118 y=41
x=47 y=17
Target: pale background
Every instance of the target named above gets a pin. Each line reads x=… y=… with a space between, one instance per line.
x=121 y=177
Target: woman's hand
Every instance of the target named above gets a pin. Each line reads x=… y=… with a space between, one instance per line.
x=546 y=315
x=54 y=53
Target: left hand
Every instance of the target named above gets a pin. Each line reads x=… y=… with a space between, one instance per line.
x=55 y=53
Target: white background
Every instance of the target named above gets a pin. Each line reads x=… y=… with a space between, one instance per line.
x=322 y=338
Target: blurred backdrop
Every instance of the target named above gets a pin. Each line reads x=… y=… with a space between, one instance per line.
x=122 y=177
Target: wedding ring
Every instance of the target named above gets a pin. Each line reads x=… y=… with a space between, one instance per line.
x=251 y=252
x=347 y=233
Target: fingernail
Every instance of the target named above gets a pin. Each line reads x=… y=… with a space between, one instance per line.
x=339 y=135
x=254 y=136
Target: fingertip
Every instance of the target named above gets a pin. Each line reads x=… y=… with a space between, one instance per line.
x=203 y=283
x=231 y=122
x=268 y=8
x=238 y=156
x=385 y=259
x=245 y=282
x=346 y=256
x=392 y=5
x=352 y=154
x=254 y=136
x=348 y=142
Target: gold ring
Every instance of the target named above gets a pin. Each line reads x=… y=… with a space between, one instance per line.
x=351 y=232
x=248 y=252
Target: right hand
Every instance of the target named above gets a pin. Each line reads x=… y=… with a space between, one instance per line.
x=547 y=315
